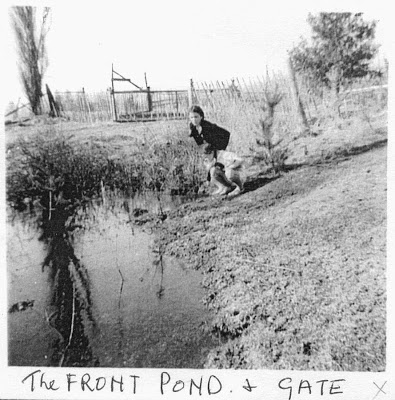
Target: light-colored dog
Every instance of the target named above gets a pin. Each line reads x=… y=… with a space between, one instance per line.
x=227 y=180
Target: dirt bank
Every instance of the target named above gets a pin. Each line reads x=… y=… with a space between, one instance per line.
x=295 y=267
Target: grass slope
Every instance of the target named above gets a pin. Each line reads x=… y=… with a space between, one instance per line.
x=294 y=270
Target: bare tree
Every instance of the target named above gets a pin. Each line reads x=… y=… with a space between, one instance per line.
x=30 y=40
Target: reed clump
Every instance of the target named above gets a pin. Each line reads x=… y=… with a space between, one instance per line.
x=172 y=166
x=51 y=170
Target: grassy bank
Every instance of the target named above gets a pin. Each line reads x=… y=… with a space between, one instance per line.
x=294 y=270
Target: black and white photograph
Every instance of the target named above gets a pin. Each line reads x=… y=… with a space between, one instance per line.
x=196 y=188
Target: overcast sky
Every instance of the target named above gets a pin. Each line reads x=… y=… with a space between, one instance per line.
x=172 y=41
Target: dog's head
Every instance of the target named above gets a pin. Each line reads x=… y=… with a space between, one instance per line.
x=208 y=163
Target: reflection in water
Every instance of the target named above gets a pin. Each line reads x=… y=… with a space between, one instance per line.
x=158 y=263
x=70 y=299
x=134 y=308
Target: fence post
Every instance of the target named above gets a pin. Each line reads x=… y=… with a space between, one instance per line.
x=301 y=110
x=88 y=106
x=177 y=103
x=115 y=117
x=191 y=90
x=54 y=108
x=149 y=99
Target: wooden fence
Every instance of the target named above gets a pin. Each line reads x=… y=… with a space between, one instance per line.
x=84 y=107
x=137 y=105
x=255 y=93
x=134 y=105
x=150 y=104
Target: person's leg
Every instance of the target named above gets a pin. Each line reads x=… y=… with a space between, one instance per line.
x=234 y=176
x=219 y=179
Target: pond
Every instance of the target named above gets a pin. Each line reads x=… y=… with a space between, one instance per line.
x=105 y=297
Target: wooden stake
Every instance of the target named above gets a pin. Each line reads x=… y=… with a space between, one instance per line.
x=88 y=106
x=54 y=107
x=115 y=117
x=149 y=99
x=297 y=96
x=191 y=93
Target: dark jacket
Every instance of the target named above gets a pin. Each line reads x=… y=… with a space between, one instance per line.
x=213 y=134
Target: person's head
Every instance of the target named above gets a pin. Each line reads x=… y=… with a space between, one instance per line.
x=208 y=152
x=196 y=115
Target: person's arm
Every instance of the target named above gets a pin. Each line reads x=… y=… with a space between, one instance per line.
x=193 y=132
x=217 y=136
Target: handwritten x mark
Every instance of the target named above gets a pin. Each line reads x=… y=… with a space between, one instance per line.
x=380 y=389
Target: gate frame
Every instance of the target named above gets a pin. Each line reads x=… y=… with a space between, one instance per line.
x=123 y=79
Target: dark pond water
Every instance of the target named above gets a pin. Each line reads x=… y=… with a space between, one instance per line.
x=107 y=297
